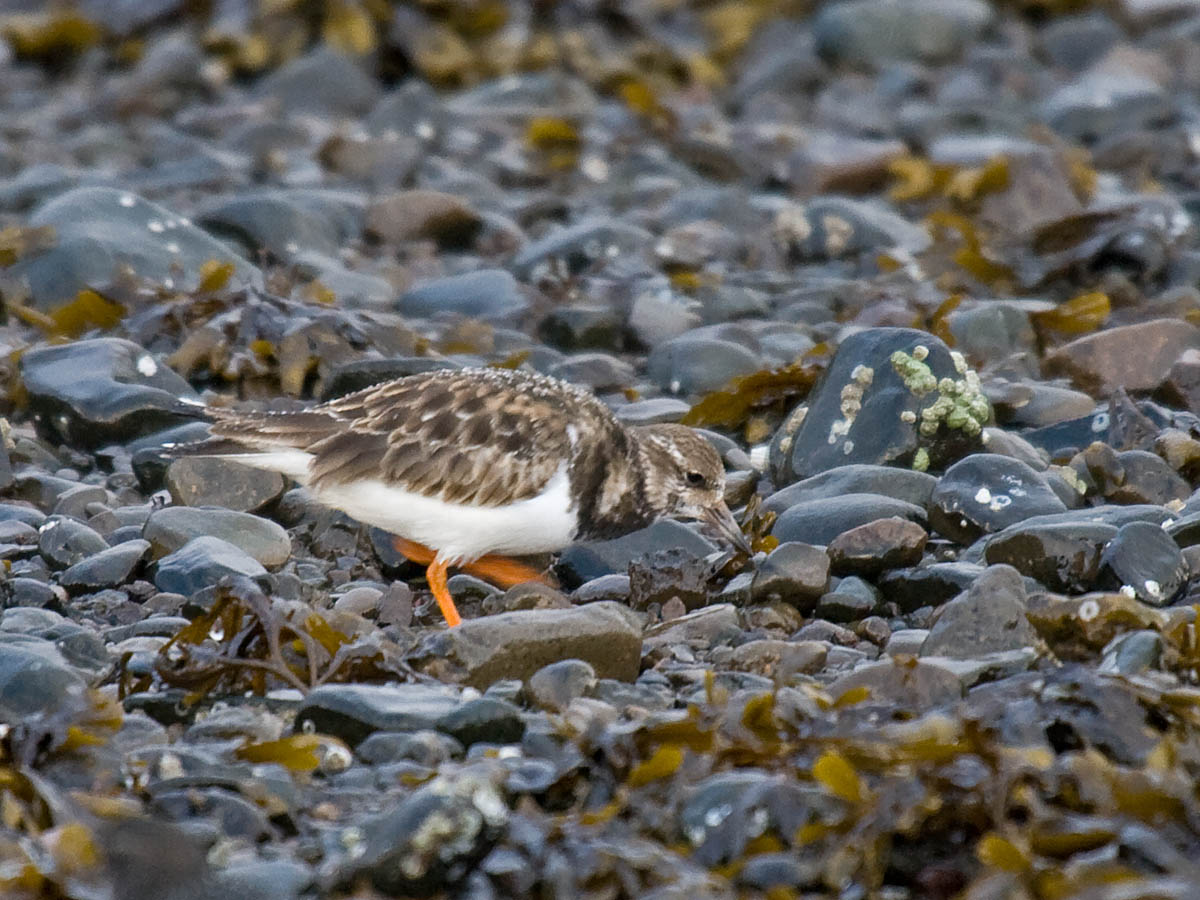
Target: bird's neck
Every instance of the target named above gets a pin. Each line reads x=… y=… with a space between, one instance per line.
x=618 y=501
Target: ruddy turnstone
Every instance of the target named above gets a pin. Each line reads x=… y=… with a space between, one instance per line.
x=466 y=467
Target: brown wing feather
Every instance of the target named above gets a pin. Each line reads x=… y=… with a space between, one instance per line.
x=484 y=436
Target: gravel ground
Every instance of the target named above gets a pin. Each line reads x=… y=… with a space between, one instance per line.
x=926 y=271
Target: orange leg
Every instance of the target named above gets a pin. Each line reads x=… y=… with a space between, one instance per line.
x=436 y=576
x=500 y=570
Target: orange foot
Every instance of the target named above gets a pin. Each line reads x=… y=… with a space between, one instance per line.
x=500 y=570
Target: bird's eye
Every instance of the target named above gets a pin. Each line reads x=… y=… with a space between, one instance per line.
x=695 y=479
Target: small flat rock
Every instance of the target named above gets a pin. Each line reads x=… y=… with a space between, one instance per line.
x=851 y=601
x=793 y=572
x=1063 y=556
x=515 y=645
x=988 y=618
x=1145 y=558
x=985 y=493
x=101 y=391
x=872 y=548
x=704 y=627
x=323 y=81
x=871 y=32
x=201 y=563
x=905 y=683
x=820 y=521
x=36 y=682
x=887 y=481
x=1134 y=357
x=778 y=659
x=211 y=481
x=696 y=364
x=354 y=711
x=107 y=569
x=170 y=528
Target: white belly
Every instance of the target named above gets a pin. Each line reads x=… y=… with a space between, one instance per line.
x=458 y=532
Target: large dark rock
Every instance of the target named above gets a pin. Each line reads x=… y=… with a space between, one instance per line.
x=101 y=391
x=891 y=396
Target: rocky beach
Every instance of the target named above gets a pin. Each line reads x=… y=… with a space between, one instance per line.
x=926 y=273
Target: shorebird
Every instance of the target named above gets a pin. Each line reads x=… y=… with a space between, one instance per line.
x=467 y=467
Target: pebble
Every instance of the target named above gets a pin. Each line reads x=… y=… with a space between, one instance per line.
x=211 y=481
x=872 y=548
x=984 y=493
x=987 y=618
x=1143 y=558
x=201 y=563
x=793 y=572
x=820 y=521
x=171 y=528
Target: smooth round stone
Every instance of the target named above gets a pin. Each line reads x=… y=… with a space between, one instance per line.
x=577 y=246
x=109 y=568
x=171 y=528
x=655 y=411
x=36 y=683
x=1142 y=477
x=1144 y=558
x=29 y=592
x=15 y=512
x=984 y=493
x=599 y=371
x=75 y=501
x=583 y=326
x=697 y=365
x=915 y=686
x=828 y=228
x=988 y=618
x=796 y=573
x=1134 y=357
x=820 y=521
x=212 y=481
x=63 y=541
x=882 y=425
x=361 y=600
x=614 y=587
x=584 y=561
x=490 y=294
x=872 y=32
x=906 y=642
x=553 y=687
x=1063 y=556
x=483 y=720
x=106 y=390
x=201 y=563
x=850 y=601
x=888 y=481
x=425 y=747
x=1133 y=653
x=872 y=548
x=99 y=228
x=992 y=331
x=323 y=82
x=423 y=215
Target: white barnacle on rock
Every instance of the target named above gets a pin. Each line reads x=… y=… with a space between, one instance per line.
x=146 y=365
x=960 y=362
x=983 y=496
x=908 y=416
x=848 y=448
x=920 y=353
x=127 y=200
x=155 y=226
x=837 y=234
x=863 y=375
x=1153 y=589
x=1129 y=591
x=1088 y=610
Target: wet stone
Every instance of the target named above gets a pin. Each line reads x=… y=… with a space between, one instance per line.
x=171 y=528
x=1143 y=558
x=428 y=842
x=109 y=568
x=553 y=687
x=211 y=481
x=850 y=601
x=872 y=548
x=890 y=396
x=421 y=214
x=36 y=682
x=1063 y=556
x=691 y=364
x=904 y=683
x=517 y=644
x=888 y=481
x=63 y=541
x=586 y=560
x=872 y=32
x=988 y=618
x=126 y=391
x=930 y=585
x=322 y=82
x=669 y=575
x=1132 y=653
x=985 y=493
x=490 y=294
x=202 y=562
x=793 y=572
x=820 y=521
